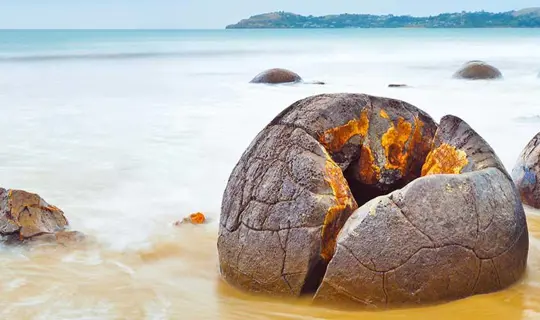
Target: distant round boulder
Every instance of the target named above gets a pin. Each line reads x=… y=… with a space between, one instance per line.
x=526 y=173
x=275 y=76
x=365 y=200
x=478 y=70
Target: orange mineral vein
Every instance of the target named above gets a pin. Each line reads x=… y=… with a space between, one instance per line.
x=445 y=159
x=335 y=138
x=344 y=204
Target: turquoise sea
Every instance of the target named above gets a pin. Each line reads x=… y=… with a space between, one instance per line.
x=128 y=131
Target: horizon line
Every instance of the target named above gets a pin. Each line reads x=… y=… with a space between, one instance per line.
x=247 y=29
x=258 y=14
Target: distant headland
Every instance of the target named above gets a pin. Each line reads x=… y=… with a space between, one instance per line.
x=525 y=18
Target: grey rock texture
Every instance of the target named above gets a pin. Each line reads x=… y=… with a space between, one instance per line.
x=439 y=217
x=526 y=173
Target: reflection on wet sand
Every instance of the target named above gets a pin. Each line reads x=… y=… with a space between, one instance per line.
x=176 y=277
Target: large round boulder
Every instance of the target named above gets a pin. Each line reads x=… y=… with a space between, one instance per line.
x=275 y=76
x=367 y=200
x=26 y=215
x=478 y=70
x=526 y=173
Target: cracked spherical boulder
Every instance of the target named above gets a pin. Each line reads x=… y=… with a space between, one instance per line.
x=478 y=70
x=526 y=173
x=275 y=76
x=26 y=215
x=358 y=199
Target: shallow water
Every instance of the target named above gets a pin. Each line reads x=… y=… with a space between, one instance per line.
x=176 y=277
x=130 y=131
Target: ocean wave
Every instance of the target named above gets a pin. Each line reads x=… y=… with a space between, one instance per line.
x=533 y=118
x=125 y=55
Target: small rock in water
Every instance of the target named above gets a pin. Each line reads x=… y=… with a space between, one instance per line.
x=194 y=218
x=396 y=85
x=26 y=215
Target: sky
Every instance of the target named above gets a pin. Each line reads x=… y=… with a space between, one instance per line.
x=212 y=14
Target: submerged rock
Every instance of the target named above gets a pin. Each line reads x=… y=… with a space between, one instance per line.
x=26 y=215
x=367 y=200
x=69 y=237
x=64 y=238
x=526 y=173
x=477 y=70
x=275 y=76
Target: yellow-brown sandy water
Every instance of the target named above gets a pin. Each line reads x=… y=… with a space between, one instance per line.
x=177 y=278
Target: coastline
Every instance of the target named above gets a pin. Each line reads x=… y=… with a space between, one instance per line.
x=375 y=28
x=529 y=17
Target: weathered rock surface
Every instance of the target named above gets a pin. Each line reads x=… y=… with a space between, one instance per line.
x=440 y=238
x=526 y=173
x=275 y=76
x=26 y=215
x=439 y=217
x=478 y=70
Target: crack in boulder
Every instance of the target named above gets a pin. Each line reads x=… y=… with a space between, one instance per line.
x=339 y=152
